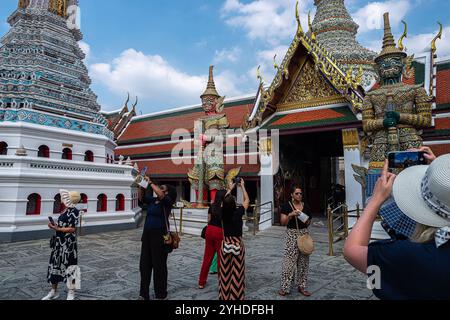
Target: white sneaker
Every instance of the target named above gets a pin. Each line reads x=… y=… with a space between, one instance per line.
x=71 y=295
x=52 y=295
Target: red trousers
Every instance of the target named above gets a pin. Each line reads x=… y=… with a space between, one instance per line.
x=214 y=237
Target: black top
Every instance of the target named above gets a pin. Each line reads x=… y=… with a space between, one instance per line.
x=216 y=219
x=155 y=213
x=232 y=225
x=409 y=271
x=286 y=209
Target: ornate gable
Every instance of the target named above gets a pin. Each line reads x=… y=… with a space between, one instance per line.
x=309 y=89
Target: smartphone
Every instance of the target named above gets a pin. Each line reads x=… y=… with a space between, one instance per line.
x=51 y=220
x=144 y=171
x=406 y=159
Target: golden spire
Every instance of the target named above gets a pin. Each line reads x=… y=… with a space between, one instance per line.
x=313 y=35
x=389 y=47
x=404 y=35
x=297 y=17
x=439 y=36
x=211 y=87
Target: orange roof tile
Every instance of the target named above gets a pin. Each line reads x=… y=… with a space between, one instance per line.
x=442 y=123
x=308 y=116
x=162 y=127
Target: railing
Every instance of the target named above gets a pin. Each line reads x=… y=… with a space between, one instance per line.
x=340 y=215
x=260 y=214
x=254 y=218
x=340 y=233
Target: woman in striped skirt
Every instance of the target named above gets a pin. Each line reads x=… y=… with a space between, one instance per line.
x=232 y=253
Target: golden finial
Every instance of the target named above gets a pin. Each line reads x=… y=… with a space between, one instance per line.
x=211 y=86
x=297 y=17
x=359 y=76
x=439 y=36
x=313 y=35
x=404 y=35
x=275 y=64
x=389 y=47
x=135 y=104
x=259 y=77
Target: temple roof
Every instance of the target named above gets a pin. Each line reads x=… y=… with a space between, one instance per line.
x=160 y=126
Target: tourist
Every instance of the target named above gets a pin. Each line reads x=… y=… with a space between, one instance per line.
x=63 y=266
x=232 y=253
x=293 y=259
x=214 y=236
x=153 y=253
x=415 y=268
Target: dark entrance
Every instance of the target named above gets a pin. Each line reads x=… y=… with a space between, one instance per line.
x=312 y=161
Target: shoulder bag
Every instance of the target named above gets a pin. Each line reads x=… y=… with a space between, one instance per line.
x=305 y=242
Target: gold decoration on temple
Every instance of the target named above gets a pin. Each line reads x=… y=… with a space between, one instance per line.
x=265 y=146
x=350 y=139
x=312 y=34
x=297 y=17
x=309 y=85
x=211 y=86
x=58 y=7
x=438 y=36
x=232 y=174
x=24 y=3
x=404 y=35
x=275 y=64
x=324 y=62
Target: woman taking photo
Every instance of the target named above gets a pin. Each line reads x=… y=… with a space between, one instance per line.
x=63 y=266
x=416 y=268
x=153 y=253
x=214 y=237
x=232 y=253
x=293 y=259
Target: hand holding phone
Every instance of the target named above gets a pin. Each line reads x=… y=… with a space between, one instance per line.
x=405 y=159
x=51 y=221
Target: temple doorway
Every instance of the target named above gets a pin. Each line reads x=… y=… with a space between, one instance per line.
x=315 y=162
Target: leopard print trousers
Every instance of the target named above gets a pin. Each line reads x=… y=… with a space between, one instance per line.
x=294 y=263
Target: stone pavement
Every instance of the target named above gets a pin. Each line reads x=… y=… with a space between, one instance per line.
x=110 y=269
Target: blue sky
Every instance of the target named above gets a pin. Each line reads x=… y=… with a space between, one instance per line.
x=160 y=50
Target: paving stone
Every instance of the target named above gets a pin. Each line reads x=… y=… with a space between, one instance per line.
x=109 y=265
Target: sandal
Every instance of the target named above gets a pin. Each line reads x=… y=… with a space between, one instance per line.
x=282 y=293
x=201 y=287
x=304 y=292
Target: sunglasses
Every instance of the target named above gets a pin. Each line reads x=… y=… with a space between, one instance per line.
x=298 y=194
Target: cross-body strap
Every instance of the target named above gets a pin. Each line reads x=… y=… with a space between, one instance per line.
x=296 y=219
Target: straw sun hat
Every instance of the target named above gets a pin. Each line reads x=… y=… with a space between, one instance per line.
x=423 y=194
x=70 y=198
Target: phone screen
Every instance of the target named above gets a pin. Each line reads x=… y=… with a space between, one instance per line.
x=403 y=160
x=144 y=171
x=51 y=220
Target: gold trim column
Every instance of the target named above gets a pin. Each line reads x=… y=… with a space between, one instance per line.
x=350 y=139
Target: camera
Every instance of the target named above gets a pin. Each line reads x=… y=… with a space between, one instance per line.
x=237 y=180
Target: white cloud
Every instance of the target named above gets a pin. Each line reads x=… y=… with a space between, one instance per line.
x=265 y=59
x=225 y=55
x=86 y=48
x=420 y=42
x=152 y=77
x=370 y=17
x=270 y=20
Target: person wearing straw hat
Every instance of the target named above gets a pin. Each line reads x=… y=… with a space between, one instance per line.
x=63 y=266
x=415 y=268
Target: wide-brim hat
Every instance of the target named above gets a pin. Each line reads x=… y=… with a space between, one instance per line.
x=423 y=193
x=70 y=198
